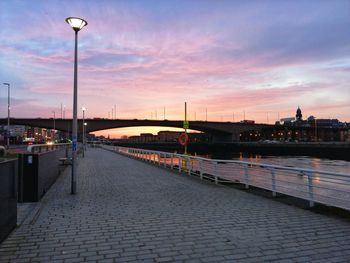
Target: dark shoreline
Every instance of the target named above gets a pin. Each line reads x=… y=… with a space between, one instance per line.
x=334 y=151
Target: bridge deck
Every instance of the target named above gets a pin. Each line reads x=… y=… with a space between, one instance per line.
x=126 y=210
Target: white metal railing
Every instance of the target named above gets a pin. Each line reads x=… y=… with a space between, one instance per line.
x=323 y=187
x=40 y=148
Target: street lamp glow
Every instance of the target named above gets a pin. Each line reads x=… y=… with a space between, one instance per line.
x=76 y=23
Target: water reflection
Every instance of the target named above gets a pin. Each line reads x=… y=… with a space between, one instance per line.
x=307 y=162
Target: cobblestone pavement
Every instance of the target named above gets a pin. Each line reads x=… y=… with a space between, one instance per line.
x=126 y=210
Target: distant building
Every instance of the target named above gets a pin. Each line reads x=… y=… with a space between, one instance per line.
x=147 y=137
x=331 y=123
x=298 y=115
x=168 y=136
x=287 y=121
x=248 y=121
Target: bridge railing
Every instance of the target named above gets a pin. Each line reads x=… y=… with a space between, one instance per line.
x=329 y=188
x=40 y=148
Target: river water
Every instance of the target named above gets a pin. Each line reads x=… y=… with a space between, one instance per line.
x=307 y=162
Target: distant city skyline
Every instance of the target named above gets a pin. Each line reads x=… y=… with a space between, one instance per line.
x=260 y=59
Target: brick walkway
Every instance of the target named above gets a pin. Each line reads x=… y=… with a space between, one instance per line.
x=126 y=210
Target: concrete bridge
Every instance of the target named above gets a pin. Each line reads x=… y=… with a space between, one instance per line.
x=221 y=131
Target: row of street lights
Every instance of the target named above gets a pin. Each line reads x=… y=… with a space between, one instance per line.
x=77 y=24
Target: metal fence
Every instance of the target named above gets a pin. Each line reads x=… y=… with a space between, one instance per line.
x=323 y=187
x=39 y=148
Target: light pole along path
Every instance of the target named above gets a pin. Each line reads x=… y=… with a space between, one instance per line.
x=8 y=115
x=77 y=24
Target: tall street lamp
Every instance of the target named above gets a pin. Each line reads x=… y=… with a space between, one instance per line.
x=85 y=124
x=8 y=115
x=77 y=24
x=84 y=109
x=54 y=125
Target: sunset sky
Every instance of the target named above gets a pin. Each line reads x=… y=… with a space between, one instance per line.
x=263 y=58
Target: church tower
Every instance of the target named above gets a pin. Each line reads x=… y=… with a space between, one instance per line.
x=299 y=116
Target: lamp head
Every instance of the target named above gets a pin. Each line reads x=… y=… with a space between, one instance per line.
x=6 y=84
x=76 y=23
x=83 y=108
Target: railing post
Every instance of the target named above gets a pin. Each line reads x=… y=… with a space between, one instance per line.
x=172 y=161
x=215 y=172
x=180 y=164
x=201 y=169
x=246 y=176
x=273 y=179
x=189 y=166
x=159 y=156
x=311 y=189
x=154 y=158
x=165 y=159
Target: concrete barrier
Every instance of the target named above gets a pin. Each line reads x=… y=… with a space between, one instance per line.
x=37 y=172
x=8 y=197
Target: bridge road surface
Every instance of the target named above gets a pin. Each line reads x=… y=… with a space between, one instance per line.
x=130 y=211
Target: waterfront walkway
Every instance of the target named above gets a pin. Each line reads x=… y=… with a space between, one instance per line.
x=127 y=210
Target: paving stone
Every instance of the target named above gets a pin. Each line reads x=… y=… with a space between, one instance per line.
x=130 y=211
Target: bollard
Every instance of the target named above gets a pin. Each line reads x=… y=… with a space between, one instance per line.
x=246 y=176
x=215 y=172
x=311 y=189
x=201 y=169
x=273 y=179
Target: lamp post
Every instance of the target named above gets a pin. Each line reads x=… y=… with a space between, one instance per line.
x=85 y=124
x=77 y=24
x=84 y=109
x=115 y=111
x=54 y=125
x=8 y=115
